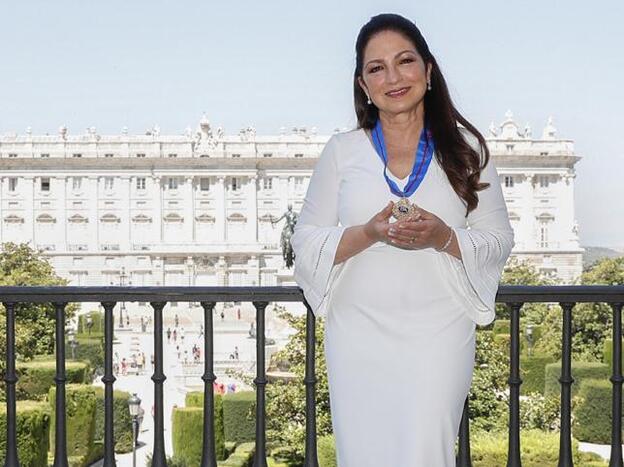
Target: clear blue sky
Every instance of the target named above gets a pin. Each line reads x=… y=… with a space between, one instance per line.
x=267 y=64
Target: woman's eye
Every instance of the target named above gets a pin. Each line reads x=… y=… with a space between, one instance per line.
x=374 y=69
x=407 y=60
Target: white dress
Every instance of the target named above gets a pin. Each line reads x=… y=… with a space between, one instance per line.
x=399 y=324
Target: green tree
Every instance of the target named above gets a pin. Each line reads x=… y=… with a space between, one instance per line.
x=518 y=272
x=591 y=322
x=20 y=265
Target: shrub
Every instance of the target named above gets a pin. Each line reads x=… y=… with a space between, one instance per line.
x=80 y=403
x=187 y=433
x=538 y=448
x=33 y=427
x=122 y=420
x=37 y=376
x=580 y=371
x=592 y=415
x=532 y=372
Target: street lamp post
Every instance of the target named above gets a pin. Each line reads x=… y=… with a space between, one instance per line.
x=122 y=306
x=72 y=342
x=529 y=336
x=134 y=404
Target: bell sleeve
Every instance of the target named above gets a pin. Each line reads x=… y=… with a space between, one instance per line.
x=317 y=234
x=485 y=244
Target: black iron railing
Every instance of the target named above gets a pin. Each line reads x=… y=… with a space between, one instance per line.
x=514 y=296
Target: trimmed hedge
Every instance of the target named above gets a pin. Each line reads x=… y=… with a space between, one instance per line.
x=188 y=425
x=538 y=448
x=533 y=371
x=122 y=420
x=33 y=427
x=241 y=457
x=237 y=427
x=592 y=414
x=607 y=351
x=80 y=401
x=502 y=327
x=36 y=377
x=580 y=371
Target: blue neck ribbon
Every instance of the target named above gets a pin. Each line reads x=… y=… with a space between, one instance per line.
x=424 y=153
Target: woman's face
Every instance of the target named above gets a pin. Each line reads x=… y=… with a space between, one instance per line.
x=393 y=73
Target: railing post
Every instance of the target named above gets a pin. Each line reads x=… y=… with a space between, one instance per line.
x=209 y=458
x=463 y=453
x=513 y=447
x=615 y=459
x=60 y=437
x=11 y=459
x=566 y=380
x=260 y=381
x=158 y=454
x=108 y=379
x=311 y=456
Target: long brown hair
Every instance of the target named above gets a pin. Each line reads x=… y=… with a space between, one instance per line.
x=461 y=163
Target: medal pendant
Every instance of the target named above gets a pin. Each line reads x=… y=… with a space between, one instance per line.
x=403 y=209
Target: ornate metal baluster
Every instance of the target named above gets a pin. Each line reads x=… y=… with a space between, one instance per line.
x=463 y=453
x=566 y=380
x=260 y=381
x=616 y=378
x=311 y=456
x=60 y=446
x=108 y=379
x=513 y=448
x=10 y=378
x=209 y=458
x=158 y=454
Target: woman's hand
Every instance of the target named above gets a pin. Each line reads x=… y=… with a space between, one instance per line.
x=429 y=231
x=377 y=227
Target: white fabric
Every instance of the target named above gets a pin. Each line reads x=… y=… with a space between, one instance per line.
x=400 y=324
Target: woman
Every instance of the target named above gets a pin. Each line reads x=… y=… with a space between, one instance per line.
x=401 y=299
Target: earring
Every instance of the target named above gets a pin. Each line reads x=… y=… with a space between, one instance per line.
x=369 y=102
x=429 y=85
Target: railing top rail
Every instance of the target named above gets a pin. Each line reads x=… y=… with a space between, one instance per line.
x=47 y=294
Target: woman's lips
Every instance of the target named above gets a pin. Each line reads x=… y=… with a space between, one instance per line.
x=398 y=93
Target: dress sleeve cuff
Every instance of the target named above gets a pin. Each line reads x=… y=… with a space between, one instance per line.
x=316 y=273
x=474 y=279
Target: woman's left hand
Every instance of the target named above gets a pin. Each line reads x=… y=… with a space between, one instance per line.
x=429 y=231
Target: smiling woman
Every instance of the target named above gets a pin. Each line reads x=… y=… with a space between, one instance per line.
x=401 y=300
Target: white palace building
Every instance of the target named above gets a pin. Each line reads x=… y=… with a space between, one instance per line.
x=195 y=209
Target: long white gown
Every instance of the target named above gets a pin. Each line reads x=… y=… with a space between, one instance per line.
x=399 y=324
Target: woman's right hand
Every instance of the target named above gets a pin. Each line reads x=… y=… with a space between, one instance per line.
x=377 y=227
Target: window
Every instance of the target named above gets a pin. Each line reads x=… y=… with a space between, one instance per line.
x=543 y=240
x=172 y=183
x=267 y=183
x=45 y=183
x=12 y=183
x=77 y=155
x=76 y=183
x=509 y=147
x=108 y=183
x=204 y=184
x=140 y=183
x=544 y=153
x=509 y=181
x=298 y=183
x=544 y=180
x=298 y=155
x=108 y=155
x=235 y=184
x=268 y=154
x=235 y=155
x=12 y=155
x=173 y=155
x=141 y=154
x=45 y=155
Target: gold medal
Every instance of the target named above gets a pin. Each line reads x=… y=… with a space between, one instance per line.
x=403 y=209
